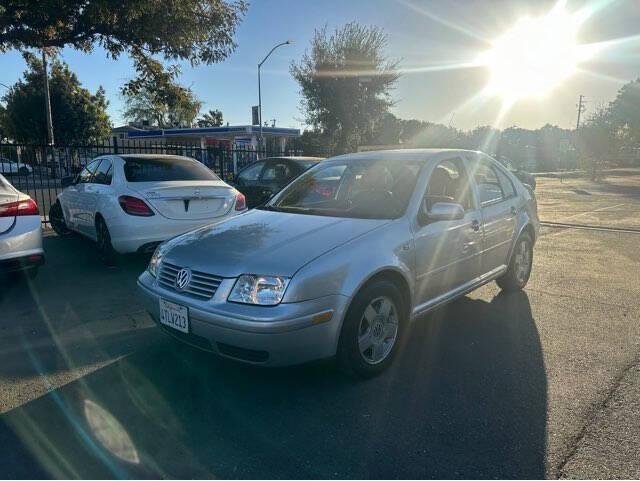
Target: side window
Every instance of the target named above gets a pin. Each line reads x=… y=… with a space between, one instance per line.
x=489 y=187
x=86 y=174
x=276 y=171
x=508 y=189
x=251 y=173
x=103 y=174
x=449 y=183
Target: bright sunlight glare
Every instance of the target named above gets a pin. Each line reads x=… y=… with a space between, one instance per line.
x=535 y=56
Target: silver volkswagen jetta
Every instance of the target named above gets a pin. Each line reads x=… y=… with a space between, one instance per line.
x=340 y=261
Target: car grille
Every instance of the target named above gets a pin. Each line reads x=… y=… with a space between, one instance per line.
x=201 y=286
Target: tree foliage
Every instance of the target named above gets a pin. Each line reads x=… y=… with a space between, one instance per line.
x=549 y=147
x=345 y=80
x=624 y=114
x=155 y=96
x=193 y=30
x=78 y=115
x=212 y=118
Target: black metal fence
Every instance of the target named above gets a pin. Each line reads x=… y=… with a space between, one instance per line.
x=37 y=170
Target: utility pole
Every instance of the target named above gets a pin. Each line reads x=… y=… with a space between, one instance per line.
x=288 y=42
x=581 y=108
x=47 y=99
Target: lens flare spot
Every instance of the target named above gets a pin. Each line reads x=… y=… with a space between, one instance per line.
x=110 y=433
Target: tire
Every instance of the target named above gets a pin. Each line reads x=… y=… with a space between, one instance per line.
x=369 y=341
x=103 y=238
x=56 y=217
x=519 y=269
x=23 y=171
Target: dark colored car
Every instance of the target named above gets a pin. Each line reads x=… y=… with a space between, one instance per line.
x=523 y=176
x=261 y=180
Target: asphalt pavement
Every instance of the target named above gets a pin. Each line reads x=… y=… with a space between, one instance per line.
x=541 y=383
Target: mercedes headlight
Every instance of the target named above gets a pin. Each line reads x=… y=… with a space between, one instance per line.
x=260 y=290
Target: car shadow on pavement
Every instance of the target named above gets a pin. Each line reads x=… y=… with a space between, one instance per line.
x=466 y=398
x=75 y=313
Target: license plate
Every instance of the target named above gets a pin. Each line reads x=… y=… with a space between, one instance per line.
x=174 y=316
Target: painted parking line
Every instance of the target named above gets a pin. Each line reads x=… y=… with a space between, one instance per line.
x=591 y=212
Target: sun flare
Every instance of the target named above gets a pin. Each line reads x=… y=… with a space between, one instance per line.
x=535 y=56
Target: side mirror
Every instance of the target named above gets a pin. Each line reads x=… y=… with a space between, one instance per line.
x=442 y=211
x=67 y=181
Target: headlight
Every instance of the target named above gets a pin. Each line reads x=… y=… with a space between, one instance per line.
x=261 y=290
x=156 y=258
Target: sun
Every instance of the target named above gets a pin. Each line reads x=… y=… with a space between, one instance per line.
x=535 y=56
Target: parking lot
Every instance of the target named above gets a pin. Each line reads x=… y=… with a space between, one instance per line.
x=534 y=384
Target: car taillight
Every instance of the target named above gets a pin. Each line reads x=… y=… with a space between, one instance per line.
x=134 y=206
x=21 y=207
x=241 y=202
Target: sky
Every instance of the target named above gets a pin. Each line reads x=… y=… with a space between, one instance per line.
x=423 y=34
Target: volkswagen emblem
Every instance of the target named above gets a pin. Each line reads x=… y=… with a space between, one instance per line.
x=183 y=278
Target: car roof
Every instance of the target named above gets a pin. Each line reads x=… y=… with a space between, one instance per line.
x=403 y=154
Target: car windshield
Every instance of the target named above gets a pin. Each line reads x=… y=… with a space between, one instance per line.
x=158 y=169
x=359 y=189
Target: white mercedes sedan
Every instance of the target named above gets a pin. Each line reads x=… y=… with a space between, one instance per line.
x=131 y=203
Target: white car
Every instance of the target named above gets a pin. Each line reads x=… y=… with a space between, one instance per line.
x=10 y=167
x=132 y=203
x=20 y=231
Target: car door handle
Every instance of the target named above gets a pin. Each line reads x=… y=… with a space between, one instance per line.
x=466 y=247
x=475 y=225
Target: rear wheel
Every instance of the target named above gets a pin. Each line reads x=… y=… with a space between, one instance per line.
x=58 y=223
x=519 y=270
x=372 y=330
x=23 y=171
x=103 y=238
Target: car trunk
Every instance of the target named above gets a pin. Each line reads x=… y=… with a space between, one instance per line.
x=7 y=196
x=187 y=200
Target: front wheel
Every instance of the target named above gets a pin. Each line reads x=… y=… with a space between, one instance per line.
x=372 y=330
x=519 y=269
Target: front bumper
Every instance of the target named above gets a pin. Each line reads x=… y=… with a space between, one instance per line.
x=280 y=335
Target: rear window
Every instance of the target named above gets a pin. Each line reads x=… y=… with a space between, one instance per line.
x=307 y=164
x=158 y=169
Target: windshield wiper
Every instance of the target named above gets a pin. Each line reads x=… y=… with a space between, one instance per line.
x=269 y=208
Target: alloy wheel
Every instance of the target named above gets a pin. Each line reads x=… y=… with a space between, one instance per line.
x=378 y=330
x=522 y=261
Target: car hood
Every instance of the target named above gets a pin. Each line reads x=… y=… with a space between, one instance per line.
x=264 y=242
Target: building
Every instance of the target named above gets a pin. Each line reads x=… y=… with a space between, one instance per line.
x=230 y=136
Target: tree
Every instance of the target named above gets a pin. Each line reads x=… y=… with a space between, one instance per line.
x=345 y=81
x=193 y=30
x=624 y=121
x=595 y=141
x=212 y=118
x=155 y=96
x=3 y=123
x=79 y=115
